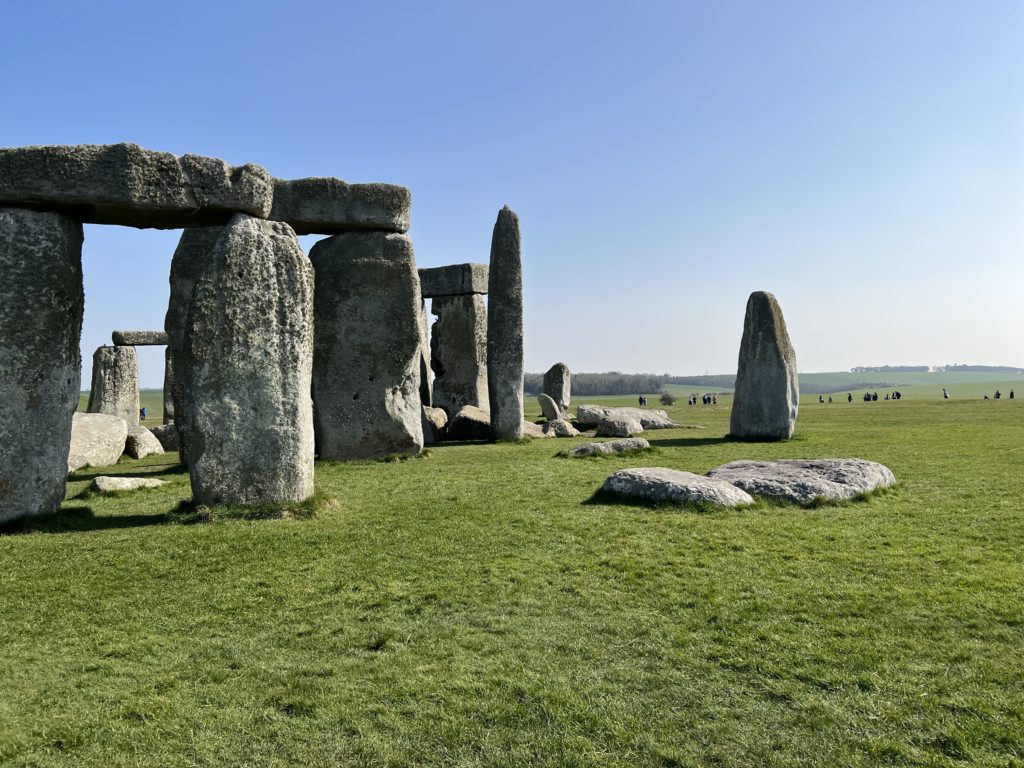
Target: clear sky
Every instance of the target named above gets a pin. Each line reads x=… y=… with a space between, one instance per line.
x=863 y=161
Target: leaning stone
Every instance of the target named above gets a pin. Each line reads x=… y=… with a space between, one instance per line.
x=366 y=375
x=435 y=420
x=139 y=338
x=167 y=434
x=548 y=407
x=97 y=440
x=505 y=329
x=326 y=206
x=649 y=418
x=618 y=426
x=805 y=480
x=141 y=443
x=458 y=352
x=629 y=445
x=660 y=485
x=558 y=385
x=470 y=423
x=41 y=302
x=560 y=428
x=131 y=186
x=115 y=383
x=453 y=280
x=248 y=354
x=108 y=484
x=767 y=396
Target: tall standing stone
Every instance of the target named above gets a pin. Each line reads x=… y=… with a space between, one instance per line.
x=115 y=383
x=558 y=385
x=505 y=329
x=767 y=391
x=168 y=386
x=247 y=365
x=426 y=387
x=41 y=303
x=458 y=352
x=366 y=371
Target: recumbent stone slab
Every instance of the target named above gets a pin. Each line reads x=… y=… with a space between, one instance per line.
x=97 y=440
x=558 y=385
x=107 y=484
x=458 y=352
x=115 y=383
x=618 y=426
x=673 y=486
x=141 y=443
x=327 y=206
x=649 y=418
x=139 y=338
x=470 y=423
x=627 y=445
x=505 y=329
x=805 y=480
x=453 y=280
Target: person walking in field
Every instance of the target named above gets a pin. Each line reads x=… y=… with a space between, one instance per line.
x=849 y=397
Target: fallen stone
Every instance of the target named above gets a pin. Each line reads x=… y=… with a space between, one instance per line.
x=458 y=352
x=167 y=434
x=115 y=383
x=548 y=407
x=435 y=421
x=248 y=354
x=618 y=426
x=327 y=206
x=505 y=329
x=139 y=338
x=558 y=385
x=629 y=445
x=660 y=485
x=470 y=423
x=649 y=418
x=805 y=480
x=141 y=443
x=41 y=304
x=561 y=428
x=453 y=280
x=131 y=186
x=767 y=396
x=97 y=440
x=536 y=430
x=107 y=484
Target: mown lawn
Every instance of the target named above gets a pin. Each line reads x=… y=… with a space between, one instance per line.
x=475 y=607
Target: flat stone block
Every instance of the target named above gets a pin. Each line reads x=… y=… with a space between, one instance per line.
x=326 y=206
x=453 y=280
x=139 y=338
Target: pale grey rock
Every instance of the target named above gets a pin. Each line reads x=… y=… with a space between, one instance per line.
x=327 y=206
x=41 y=303
x=453 y=280
x=458 y=352
x=649 y=418
x=139 y=338
x=426 y=385
x=673 y=486
x=97 y=440
x=470 y=423
x=558 y=385
x=560 y=428
x=131 y=186
x=248 y=354
x=767 y=396
x=805 y=480
x=167 y=434
x=505 y=329
x=168 y=386
x=548 y=407
x=618 y=426
x=435 y=421
x=141 y=443
x=115 y=383
x=366 y=374
x=536 y=430
x=629 y=445
x=107 y=484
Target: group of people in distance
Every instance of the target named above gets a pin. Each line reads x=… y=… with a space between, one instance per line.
x=999 y=395
x=705 y=400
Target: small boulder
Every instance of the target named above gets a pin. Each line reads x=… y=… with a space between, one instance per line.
x=535 y=430
x=649 y=418
x=141 y=443
x=549 y=407
x=628 y=445
x=618 y=426
x=805 y=480
x=561 y=428
x=167 y=434
x=673 y=486
x=434 y=422
x=97 y=439
x=112 y=484
x=470 y=423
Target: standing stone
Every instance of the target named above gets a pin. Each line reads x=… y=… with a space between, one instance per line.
x=426 y=388
x=41 y=303
x=767 y=391
x=115 y=383
x=458 y=352
x=247 y=364
x=168 y=386
x=558 y=385
x=366 y=371
x=548 y=407
x=505 y=329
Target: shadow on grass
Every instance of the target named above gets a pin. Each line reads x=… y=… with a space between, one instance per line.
x=122 y=470
x=78 y=519
x=687 y=442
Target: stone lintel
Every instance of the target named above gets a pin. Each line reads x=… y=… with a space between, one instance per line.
x=139 y=338
x=453 y=280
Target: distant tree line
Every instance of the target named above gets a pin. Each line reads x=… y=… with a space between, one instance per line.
x=609 y=383
x=890 y=369
x=981 y=368
x=937 y=368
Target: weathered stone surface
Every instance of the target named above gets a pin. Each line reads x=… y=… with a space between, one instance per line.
x=168 y=386
x=115 y=383
x=167 y=434
x=618 y=426
x=141 y=443
x=41 y=304
x=435 y=421
x=505 y=329
x=673 y=486
x=470 y=423
x=805 y=480
x=97 y=439
x=649 y=418
x=131 y=186
x=561 y=428
x=426 y=385
x=536 y=430
x=458 y=352
x=548 y=408
x=628 y=445
x=107 y=484
x=366 y=374
x=764 y=406
x=558 y=385
x=139 y=338
x=326 y=206
x=247 y=366
x=453 y=280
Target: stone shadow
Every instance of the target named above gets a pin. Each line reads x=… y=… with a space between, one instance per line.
x=687 y=442
x=78 y=519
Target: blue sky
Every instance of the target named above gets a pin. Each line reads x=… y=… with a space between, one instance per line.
x=862 y=161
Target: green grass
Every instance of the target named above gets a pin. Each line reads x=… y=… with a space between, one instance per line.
x=471 y=608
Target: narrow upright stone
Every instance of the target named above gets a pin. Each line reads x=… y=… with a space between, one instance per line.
x=168 y=386
x=246 y=368
x=41 y=303
x=767 y=394
x=558 y=385
x=458 y=352
x=115 y=383
x=505 y=329
x=426 y=386
x=366 y=371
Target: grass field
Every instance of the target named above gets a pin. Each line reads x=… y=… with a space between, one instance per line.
x=475 y=607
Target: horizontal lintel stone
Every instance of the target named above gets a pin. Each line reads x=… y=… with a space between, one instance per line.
x=327 y=206
x=453 y=280
x=139 y=338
